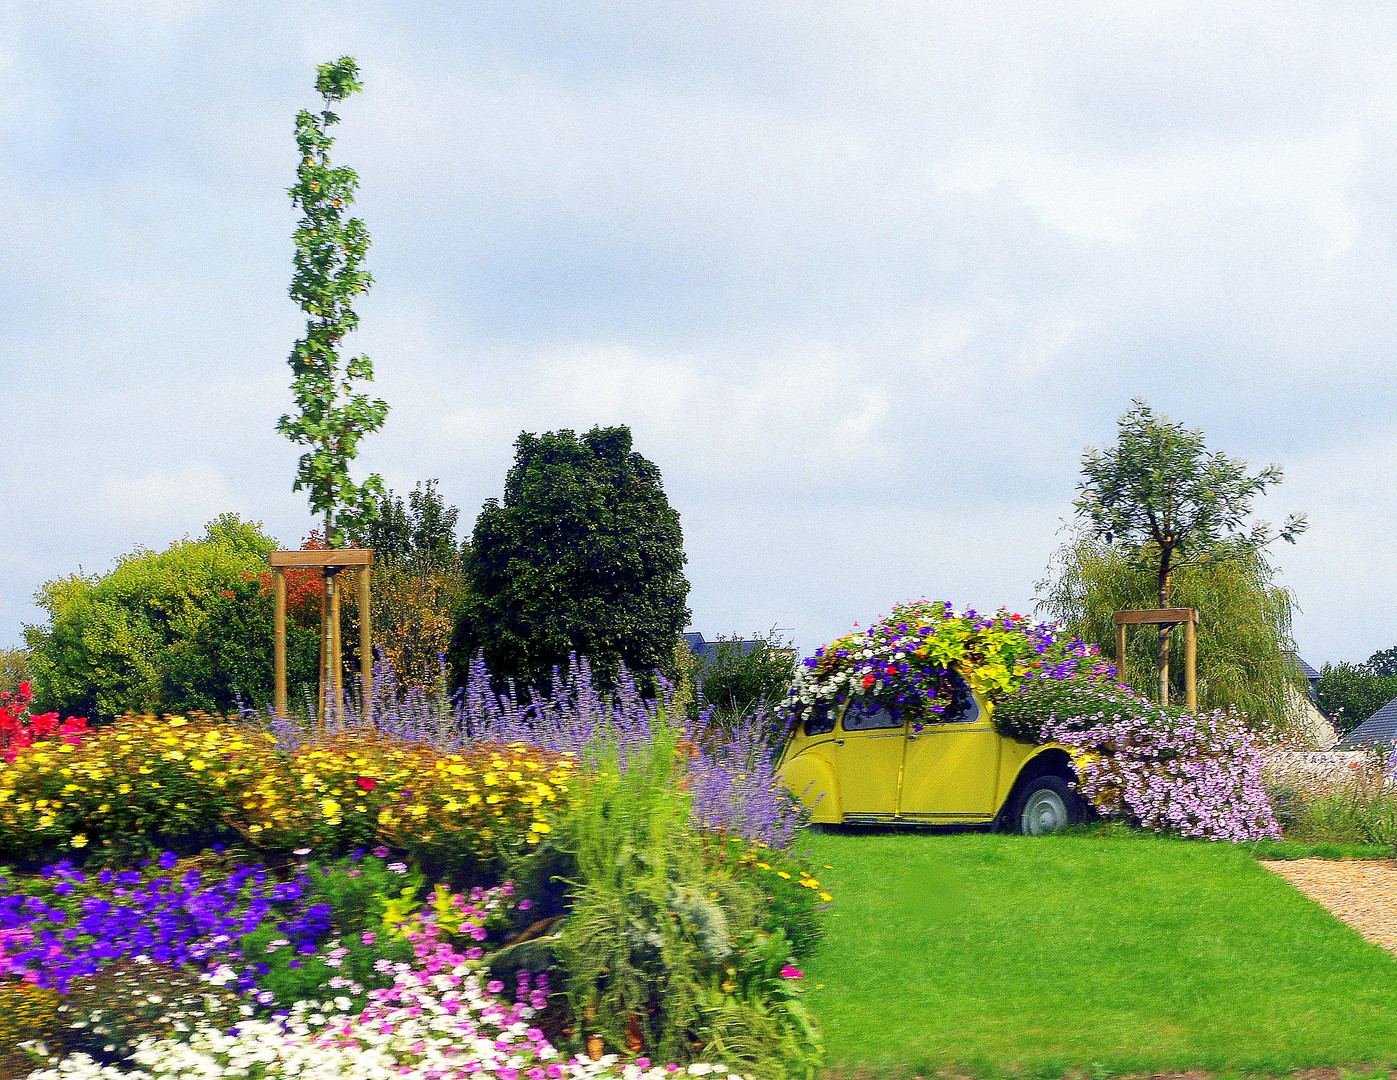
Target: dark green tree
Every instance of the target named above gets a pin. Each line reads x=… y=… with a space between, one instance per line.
x=1350 y=693
x=421 y=529
x=1383 y=662
x=582 y=555
x=1170 y=503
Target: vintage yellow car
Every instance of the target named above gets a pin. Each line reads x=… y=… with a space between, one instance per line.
x=857 y=762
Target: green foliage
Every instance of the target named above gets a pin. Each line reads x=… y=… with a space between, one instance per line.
x=791 y=896
x=1244 y=642
x=738 y=683
x=330 y=250
x=1350 y=693
x=14 y=669
x=1383 y=662
x=419 y=585
x=422 y=530
x=582 y=555
x=1339 y=804
x=185 y=629
x=1021 y=715
x=662 y=948
x=1171 y=505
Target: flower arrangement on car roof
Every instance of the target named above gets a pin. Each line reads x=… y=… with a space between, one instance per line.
x=904 y=661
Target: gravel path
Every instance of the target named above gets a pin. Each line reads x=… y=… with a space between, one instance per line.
x=1361 y=892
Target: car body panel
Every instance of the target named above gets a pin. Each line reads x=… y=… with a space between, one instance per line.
x=946 y=774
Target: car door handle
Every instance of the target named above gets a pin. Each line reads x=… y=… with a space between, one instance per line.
x=838 y=742
x=911 y=738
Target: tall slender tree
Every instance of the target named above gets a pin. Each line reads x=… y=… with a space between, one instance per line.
x=1170 y=504
x=329 y=274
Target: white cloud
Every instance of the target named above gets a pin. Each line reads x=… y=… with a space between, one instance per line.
x=195 y=490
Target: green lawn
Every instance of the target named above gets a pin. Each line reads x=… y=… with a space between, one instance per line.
x=1006 y=955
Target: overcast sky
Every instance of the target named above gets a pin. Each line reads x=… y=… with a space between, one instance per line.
x=864 y=279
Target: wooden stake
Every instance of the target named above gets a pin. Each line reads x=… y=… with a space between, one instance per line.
x=1165 y=617
x=279 y=640
x=336 y=679
x=366 y=659
x=1190 y=665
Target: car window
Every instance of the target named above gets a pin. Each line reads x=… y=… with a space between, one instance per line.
x=866 y=715
x=962 y=708
x=820 y=721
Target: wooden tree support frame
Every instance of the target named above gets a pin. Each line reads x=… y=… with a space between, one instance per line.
x=331 y=563
x=1165 y=617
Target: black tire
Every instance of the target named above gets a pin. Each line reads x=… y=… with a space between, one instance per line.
x=1045 y=805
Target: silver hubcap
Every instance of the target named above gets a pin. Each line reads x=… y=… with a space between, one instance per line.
x=1045 y=812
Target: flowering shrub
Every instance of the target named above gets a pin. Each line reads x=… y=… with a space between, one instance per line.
x=19 y=728
x=903 y=661
x=1163 y=767
x=127 y=785
x=144 y=780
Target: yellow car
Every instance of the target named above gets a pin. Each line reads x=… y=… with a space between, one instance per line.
x=856 y=762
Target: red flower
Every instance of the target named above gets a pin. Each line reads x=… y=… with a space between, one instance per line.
x=367 y=783
x=869 y=680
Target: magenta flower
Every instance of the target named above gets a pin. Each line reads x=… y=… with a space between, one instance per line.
x=789 y=972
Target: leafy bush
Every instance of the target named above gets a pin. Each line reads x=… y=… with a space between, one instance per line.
x=1350 y=693
x=14 y=669
x=1162 y=767
x=662 y=950
x=736 y=683
x=185 y=629
x=1326 y=799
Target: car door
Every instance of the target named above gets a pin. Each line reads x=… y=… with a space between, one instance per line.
x=868 y=752
x=950 y=764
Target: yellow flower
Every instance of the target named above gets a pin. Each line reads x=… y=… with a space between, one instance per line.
x=329 y=807
x=783 y=874
x=79 y=841
x=826 y=897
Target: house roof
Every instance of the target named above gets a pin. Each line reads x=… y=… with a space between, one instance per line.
x=702 y=649
x=1305 y=669
x=1380 y=729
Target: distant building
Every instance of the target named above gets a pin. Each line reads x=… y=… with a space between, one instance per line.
x=1379 y=730
x=704 y=650
x=1310 y=673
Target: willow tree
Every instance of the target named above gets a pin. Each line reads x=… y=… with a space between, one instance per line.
x=1245 y=649
x=1171 y=505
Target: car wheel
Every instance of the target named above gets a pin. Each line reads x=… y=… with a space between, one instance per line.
x=1045 y=805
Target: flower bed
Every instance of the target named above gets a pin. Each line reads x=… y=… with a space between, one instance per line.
x=371 y=962
x=904 y=661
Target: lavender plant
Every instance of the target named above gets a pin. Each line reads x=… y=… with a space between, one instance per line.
x=731 y=779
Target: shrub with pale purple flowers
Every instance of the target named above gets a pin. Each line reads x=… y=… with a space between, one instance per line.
x=1169 y=770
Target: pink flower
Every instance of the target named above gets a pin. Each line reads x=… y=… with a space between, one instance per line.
x=789 y=972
